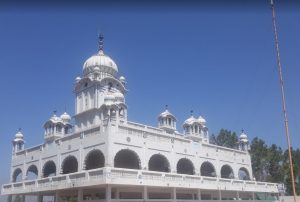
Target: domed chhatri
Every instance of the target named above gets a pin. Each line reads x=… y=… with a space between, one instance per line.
x=100 y=63
x=167 y=121
x=98 y=155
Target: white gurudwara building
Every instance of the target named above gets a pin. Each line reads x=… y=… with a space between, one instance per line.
x=105 y=157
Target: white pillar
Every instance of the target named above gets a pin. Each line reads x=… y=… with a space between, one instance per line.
x=117 y=193
x=199 y=195
x=237 y=195
x=253 y=196
x=80 y=195
x=174 y=194
x=220 y=195
x=145 y=194
x=108 y=193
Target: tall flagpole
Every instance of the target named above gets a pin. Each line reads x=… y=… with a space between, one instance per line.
x=286 y=125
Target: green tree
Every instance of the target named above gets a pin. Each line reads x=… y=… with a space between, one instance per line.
x=287 y=170
x=258 y=153
x=18 y=199
x=275 y=164
x=225 y=138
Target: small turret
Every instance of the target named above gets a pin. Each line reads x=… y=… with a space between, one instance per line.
x=18 y=142
x=196 y=129
x=167 y=121
x=243 y=142
x=56 y=127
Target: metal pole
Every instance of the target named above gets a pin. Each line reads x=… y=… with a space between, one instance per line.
x=283 y=99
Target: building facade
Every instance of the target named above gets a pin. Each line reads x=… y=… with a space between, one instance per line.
x=105 y=157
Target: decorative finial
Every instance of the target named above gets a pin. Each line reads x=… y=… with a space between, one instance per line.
x=243 y=130
x=54 y=112
x=192 y=112
x=101 y=42
x=166 y=106
x=20 y=129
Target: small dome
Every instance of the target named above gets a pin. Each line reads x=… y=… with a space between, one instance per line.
x=55 y=118
x=165 y=114
x=243 y=136
x=190 y=120
x=19 y=135
x=201 y=120
x=100 y=62
x=65 y=117
x=122 y=79
x=77 y=79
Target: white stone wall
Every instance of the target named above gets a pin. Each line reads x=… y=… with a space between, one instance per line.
x=145 y=141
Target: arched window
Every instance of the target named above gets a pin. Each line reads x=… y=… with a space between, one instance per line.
x=49 y=169
x=185 y=166
x=159 y=162
x=227 y=172
x=32 y=172
x=94 y=159
x=207 y=169
x=69 y=165
x=17 y=175
x=127 y=159
x=244 y=174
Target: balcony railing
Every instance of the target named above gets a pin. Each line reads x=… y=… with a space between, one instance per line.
x=122 y=176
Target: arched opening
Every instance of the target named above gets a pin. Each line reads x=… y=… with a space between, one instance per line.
x=17 y=175
x=69 y=165
x=49 y=169
x=94 y=159
x=207 y=169
x=244 y=174
x=159 y=162
x=185 y=166
x=32 y=172
x=227 y=172
x=127 y=159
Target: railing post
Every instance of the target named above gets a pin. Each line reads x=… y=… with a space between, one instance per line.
x=220 y=195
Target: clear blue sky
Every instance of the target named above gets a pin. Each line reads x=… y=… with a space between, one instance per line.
x=218 y=62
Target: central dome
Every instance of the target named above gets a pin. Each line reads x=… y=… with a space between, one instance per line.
x=100 y=62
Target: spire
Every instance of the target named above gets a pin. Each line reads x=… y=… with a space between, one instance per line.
x=101 y=42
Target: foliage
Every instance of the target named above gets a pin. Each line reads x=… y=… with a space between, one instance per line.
x=225 y=138
x=258 y=152
x=269 y=163
x=18 y=199
x=69 y=199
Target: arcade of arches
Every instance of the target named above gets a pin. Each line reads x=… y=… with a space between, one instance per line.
x=130 y=160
